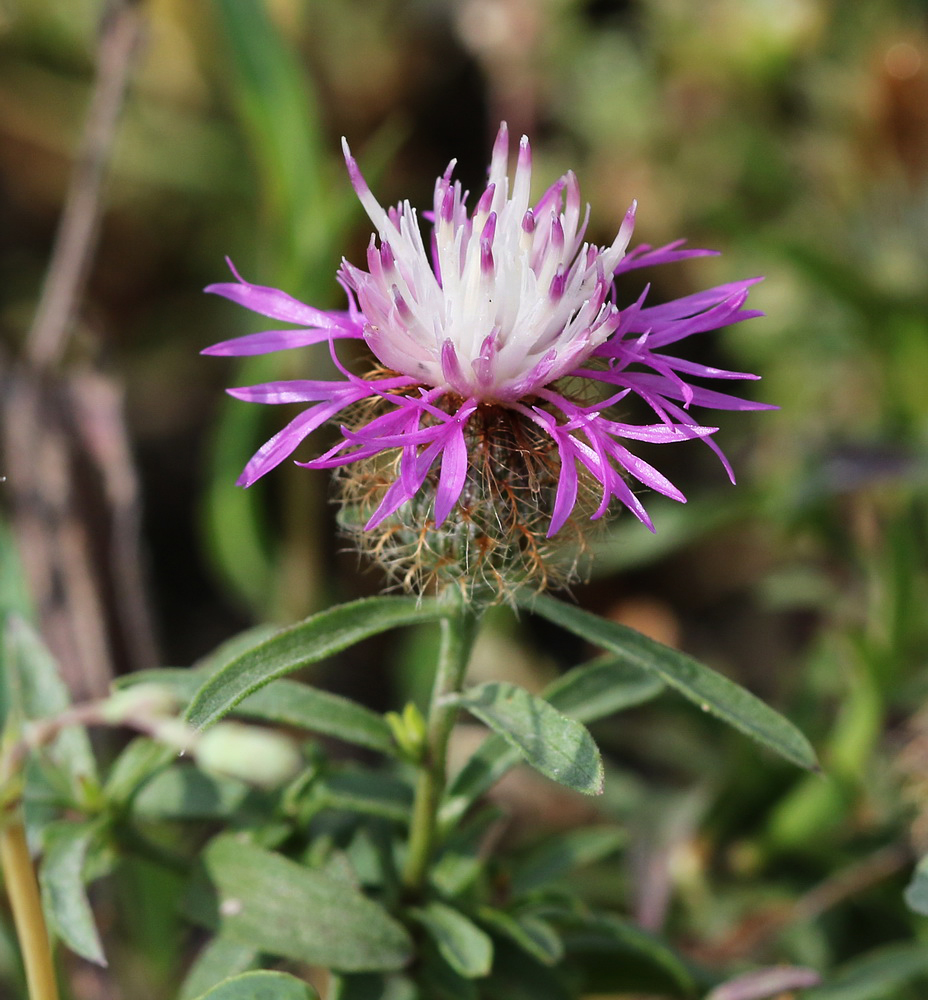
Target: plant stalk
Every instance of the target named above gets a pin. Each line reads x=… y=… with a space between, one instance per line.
x=23 y=892
x=458 y=632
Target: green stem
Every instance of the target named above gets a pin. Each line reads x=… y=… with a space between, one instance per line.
x=26 y=904
x=457 y=639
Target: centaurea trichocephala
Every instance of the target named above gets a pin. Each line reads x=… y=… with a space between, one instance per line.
x=503 y=310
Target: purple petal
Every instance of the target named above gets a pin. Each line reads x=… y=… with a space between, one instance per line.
x=285 y=442
x=297 y=391
x=646 y=256
x=453 y=474
x=275 y=303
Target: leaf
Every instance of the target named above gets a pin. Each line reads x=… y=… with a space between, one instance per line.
x=282 y=908
x=586 y=693
x=139 y=762
x=462 y=944
x=709 y=690
x=64 y=897
x=186 y=793
x=289 y=703
x=559 y=855
x=219 y=958
x=34 y=690
x=875 y=975
x=560 y=748
x=532 y=934
x=261 y=986
x=365 y=792
x=617 y=956
x=916 y=893
x=307 y=642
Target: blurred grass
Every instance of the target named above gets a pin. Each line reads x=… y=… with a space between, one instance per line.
x=793 y=137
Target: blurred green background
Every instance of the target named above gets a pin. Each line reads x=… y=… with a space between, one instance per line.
x=792 y=135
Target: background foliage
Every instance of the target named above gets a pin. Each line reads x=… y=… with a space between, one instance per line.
x=793 y=137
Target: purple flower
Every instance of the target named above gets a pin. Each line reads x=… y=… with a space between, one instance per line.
x=505 y=311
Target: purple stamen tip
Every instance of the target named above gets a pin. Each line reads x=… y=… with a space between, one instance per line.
x=486 y=200
x=447 y=205
x=354 y=172
x=386 y=256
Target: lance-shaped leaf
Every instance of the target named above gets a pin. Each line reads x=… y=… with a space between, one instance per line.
x=591 y=691
x=560 y=748
x=462 y=944
x=64 y=897
x=709 y=690
x=261 y=986
x=307 y=642
x=288 y=702
x=282 y=908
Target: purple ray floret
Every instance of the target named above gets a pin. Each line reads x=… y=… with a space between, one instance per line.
x=496 y=309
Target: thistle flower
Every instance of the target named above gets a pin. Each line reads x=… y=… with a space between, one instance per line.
x=488 y=421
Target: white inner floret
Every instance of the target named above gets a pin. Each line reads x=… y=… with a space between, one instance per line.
x=518 y=299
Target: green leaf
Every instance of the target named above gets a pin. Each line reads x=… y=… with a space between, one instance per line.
x=34 y=690
x=367 y=986
x=586 y=693
x=876 y=975
x=560 y=748
x=64 y=898
x=219 y=958
x=305 y=707
x=282 y=908
x=287 y=702
x=365 y=792
x=261 y=986
x=617 y=956
x=276 y=104
x=560 y=854
x=186 y=793
x=916 y=893
x=307 y=642
x=532 y=934
x=462 y=944
x=709 y=690
x=139 y=762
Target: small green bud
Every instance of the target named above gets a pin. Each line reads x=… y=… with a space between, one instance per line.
x=258 y=756
x=409 y=730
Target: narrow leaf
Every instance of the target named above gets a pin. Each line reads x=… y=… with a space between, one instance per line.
x=34 y=690
x=262 y=986
x=628 y=957
x=916 y=893
x=308 y=642
x=709 y=690
x=219 y=958
x=875 y=975
x=560 y=748
x=533 y=935
x=589 y=692
x=64 y=897
x=187 y=793
x=462 y=944
x=290 y=703
x=559 y=855
x=282 y=908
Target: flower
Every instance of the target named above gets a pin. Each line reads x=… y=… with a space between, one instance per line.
x=501 y=355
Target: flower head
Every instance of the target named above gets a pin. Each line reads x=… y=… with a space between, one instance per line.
x=499 y=357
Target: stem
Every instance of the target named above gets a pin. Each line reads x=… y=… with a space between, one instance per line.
x=23 y=892
x=457 y=639
x=77 y=230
